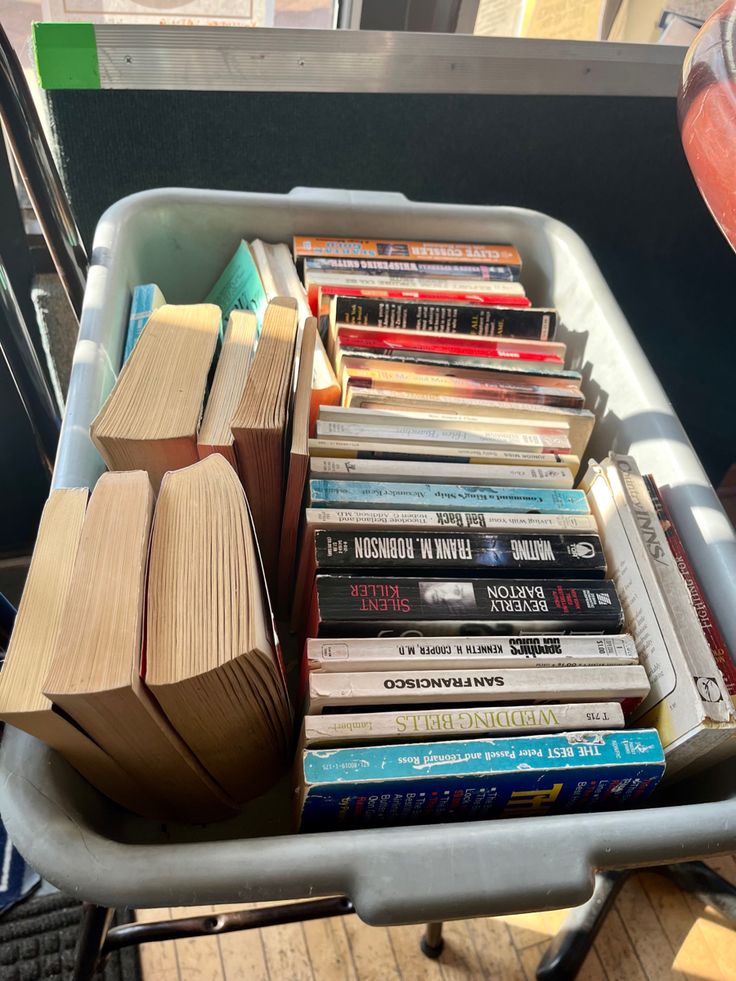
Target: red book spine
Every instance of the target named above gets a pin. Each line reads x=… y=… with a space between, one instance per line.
x=401 y=294
x=710 y=628
x=451 y=344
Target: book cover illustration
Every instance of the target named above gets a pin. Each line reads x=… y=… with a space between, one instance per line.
x=372 y=786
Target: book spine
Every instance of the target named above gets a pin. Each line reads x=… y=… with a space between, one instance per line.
x=142 y=306
x=708 y=625
x=453 y=384
x=506 y=351
x=355 y=728
x=551 y=555
x=437 y=284
x=555 y=440
x=402 y=268
x=505 y=605
x=472 y=779
x=495 y=475
x=451 y=318
x=403 y=250
x=673 y=704
x=429 y=294
x=463 y=520
x=673 y=591
x=457 y=497
x=386 y=654
x=344 y=449
x=534 y=370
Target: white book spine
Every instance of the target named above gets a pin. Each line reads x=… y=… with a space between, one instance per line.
x=398 y=416
x=375 y=727
x=493 y=475
x=455 y=653
x=355 y=281
x=328 y=690
x=449 y=435
x=718 y=711
x=351 y=448
x=706 y=673
x=673 y=705
x=333 y=518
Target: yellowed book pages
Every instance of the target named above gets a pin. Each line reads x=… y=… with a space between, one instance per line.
x=210 y=660
x=33 y=644
x=233 y=365
x=259 y=427
x=149 y=420
x=95 y=675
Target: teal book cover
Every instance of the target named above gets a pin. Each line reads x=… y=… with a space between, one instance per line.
x=371 y=786
x=239 y=287
x=146 y=299
x=442 y=497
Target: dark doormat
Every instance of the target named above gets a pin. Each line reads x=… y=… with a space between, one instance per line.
x=38 y=941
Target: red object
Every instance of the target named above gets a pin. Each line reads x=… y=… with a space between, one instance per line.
x=707 y=113
x=708 y=624
x=433 y=296
x=400 y=340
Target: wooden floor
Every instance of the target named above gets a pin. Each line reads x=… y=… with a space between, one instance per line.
x=655 y=932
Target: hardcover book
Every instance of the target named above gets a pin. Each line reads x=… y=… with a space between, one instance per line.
x=368 y=605
x=474 y=779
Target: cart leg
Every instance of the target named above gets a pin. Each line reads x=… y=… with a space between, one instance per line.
x=700 y=880
x=569 y=947
x=92 y=933
x=432 y=943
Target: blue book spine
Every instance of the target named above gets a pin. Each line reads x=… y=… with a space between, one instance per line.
x=464 y=779
x=442 y=497
x=142 y=305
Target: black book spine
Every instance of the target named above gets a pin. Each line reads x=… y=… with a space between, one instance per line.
x=569 y=555
x=453 y=318
x=368 y=604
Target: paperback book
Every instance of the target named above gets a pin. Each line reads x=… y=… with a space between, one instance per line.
x=435 y=497
x=347 y=606
x=447 y=722
x=474 y=779
x=418 y=653
x=331 y=691
x=514 y=554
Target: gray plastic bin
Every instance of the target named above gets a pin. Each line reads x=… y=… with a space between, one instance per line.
x=181 y=239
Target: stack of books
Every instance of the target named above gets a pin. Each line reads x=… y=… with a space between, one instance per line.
x=390 y=454
x=451 y=582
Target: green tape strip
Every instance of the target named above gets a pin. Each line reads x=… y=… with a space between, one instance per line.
x=66 y=56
